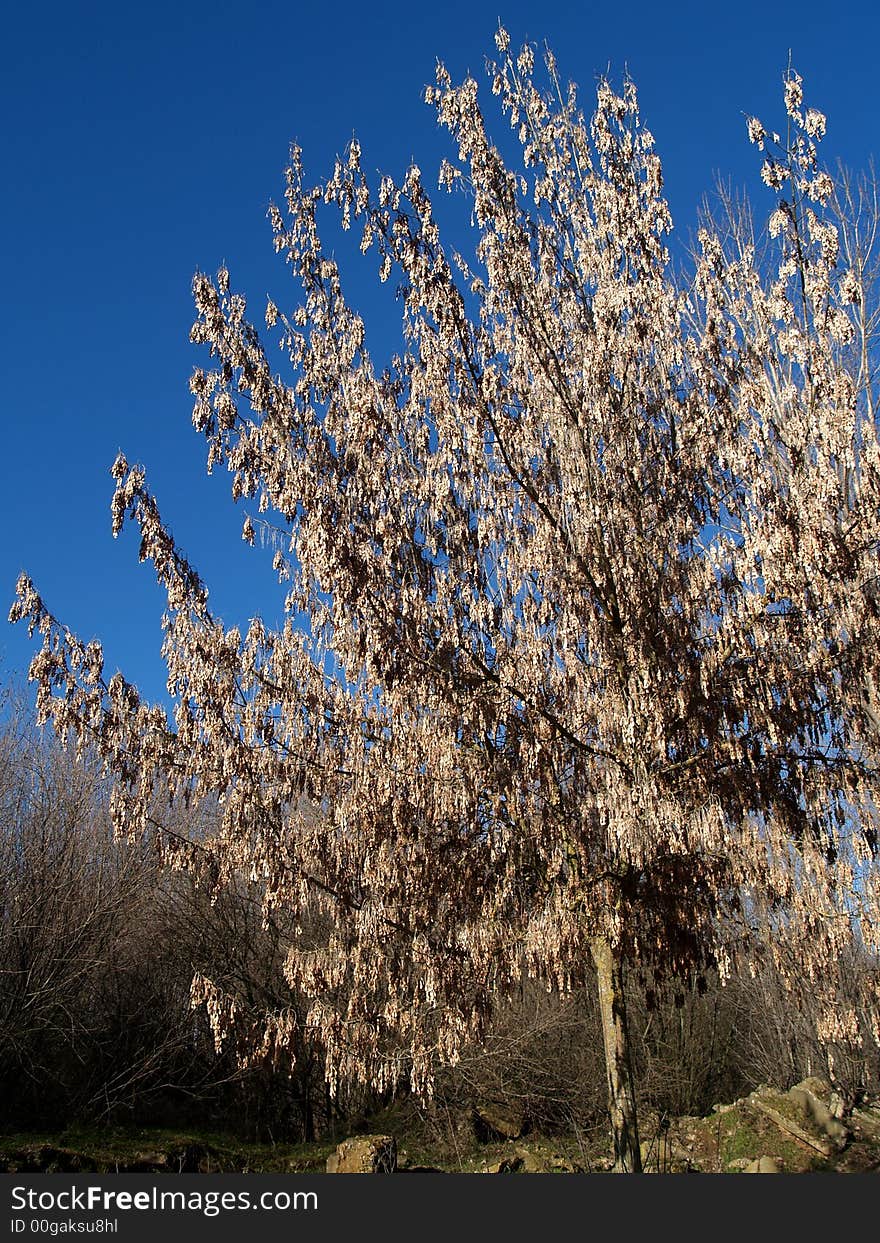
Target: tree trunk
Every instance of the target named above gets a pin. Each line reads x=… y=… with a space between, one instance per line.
x=621 y=1092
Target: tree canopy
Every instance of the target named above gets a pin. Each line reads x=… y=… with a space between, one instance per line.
x=589 y=569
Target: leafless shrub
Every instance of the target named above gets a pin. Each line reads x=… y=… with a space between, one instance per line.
x=98 y=946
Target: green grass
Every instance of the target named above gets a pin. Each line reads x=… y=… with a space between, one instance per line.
x=722 y=1140
x=107 y=1149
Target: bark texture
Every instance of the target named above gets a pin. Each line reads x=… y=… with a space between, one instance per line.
x=621 y=1092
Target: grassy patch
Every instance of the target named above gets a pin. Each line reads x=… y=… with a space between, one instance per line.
x=724 y=1142
x=119 y=1149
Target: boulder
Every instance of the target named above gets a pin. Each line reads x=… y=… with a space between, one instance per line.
x=792 y=1114
x=658 y=1154
x=534 y=1160
x=148 y=1162
x=510 y=1165
x=763 y=1165
x=817 y=1114
x=364 y=1154
x=506 y=1121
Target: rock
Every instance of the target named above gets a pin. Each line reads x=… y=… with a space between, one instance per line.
x=763 y=1165
x=658 y=1154
x=533 y=1161
x=149 y=1162
x=792 y=1115
x=820 y=1087
x=510 y=1165
x=817 y=1114
x=506 y=1120
x=364 y=1154
x=839 y=1105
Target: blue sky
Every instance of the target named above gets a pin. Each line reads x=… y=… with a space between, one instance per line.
x=141 y=143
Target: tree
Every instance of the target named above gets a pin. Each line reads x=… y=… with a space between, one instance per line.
x=588 y=571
